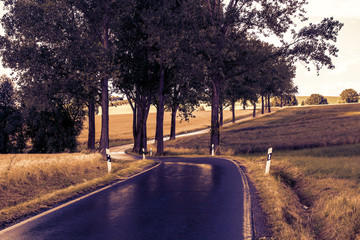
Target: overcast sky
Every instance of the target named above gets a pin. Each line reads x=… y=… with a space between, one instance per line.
x=347 y=66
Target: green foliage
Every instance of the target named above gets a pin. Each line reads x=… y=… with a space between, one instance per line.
x=11 y=126
x=287 y=100
x=63 y=49
x=349 y=96
x=316 y=99
x=53 y=130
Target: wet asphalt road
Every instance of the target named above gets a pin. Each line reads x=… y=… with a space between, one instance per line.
x=199 y=199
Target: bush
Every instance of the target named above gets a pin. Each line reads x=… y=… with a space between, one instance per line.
x=54 y=130
x=11 y=127
x=316 y=99
x=349 y=96
x=288 y=100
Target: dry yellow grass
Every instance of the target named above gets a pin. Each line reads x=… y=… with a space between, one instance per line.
x=121 y=124
x=284 y=209
x=32 y=182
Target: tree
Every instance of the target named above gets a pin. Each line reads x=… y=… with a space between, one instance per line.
x=268 y=17
x=316 y=99
x=76 y=34
x=185 y=93
x=285 y=100
x=54 y=130
x=137 y=77
x=164 y=31
x=171 y=31
x=349 y=96
x=11 y=121
x=101 y=18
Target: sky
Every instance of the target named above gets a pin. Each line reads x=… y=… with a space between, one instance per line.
x=347 y=65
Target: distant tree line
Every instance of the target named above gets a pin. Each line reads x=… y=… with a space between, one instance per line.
x=346 y=96
x=170 y=54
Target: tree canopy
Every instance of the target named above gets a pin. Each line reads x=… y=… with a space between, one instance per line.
x=165 y=53
x=12 y=138
x=349 y=96
x=316 y=99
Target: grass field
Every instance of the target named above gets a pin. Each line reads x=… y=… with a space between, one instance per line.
x=121 y=125
x=313 y=188
x=330 y=99
x=290 y=128
x=30 y=183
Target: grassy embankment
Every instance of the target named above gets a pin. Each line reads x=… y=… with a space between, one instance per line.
x=313 y=189
x=31 y=183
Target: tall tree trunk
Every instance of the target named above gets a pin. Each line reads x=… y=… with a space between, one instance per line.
x=160 y=115
x=91 y=116
x=215 y=131
x=104 y=139
x=137 y=117
x=233 y=110
x=173 y=123
x=221 y=115
x=269 y=106
x=266 y=105
x=140 y=116
x=262 y=105
x=156 y=130
x=144 y=131
x=254 y=111
x=134 y=126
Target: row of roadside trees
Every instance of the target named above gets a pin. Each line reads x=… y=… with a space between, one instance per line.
x=174 y=54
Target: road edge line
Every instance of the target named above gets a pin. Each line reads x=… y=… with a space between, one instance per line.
x=247 y=225
x=5 y=230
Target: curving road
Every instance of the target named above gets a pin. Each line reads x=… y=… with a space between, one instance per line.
x=201 y=198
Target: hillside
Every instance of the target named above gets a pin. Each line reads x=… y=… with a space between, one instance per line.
x=290 y=128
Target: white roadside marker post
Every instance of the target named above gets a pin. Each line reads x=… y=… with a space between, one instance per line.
x=212 y=150
x=108 y=160
x=150 y=152
x=143 y=150
x=267 y=168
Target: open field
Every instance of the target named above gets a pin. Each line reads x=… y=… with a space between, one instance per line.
x=290 y=128
x=313 y=188
x=121 y=124
x=331 y=100
x=30 y=183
